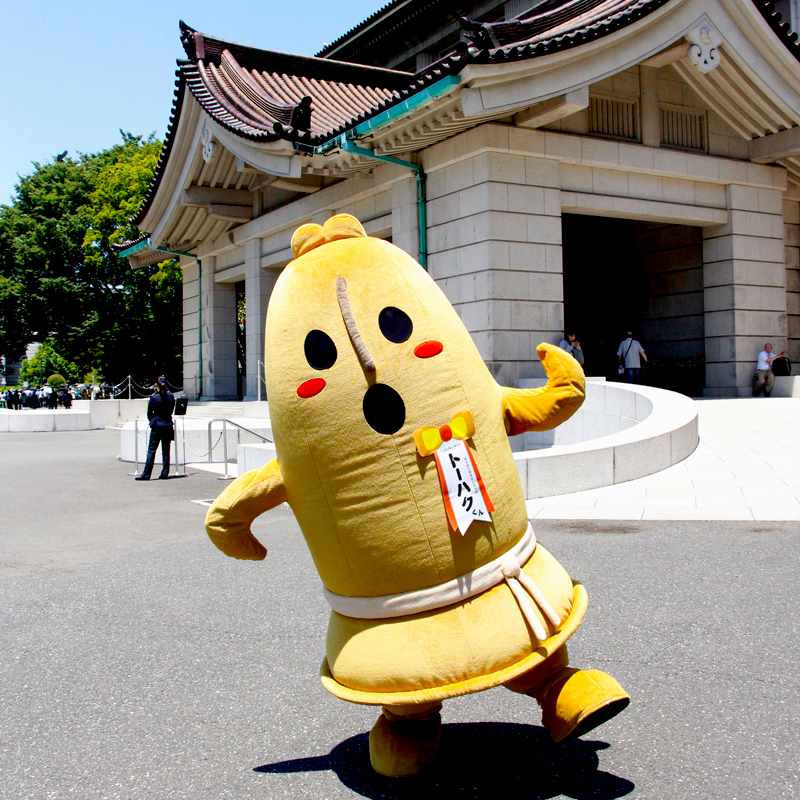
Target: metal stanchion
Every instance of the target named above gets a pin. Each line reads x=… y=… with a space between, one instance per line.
x=225 y=477
x=136 y=472
x=180 y=413
x=178 y=473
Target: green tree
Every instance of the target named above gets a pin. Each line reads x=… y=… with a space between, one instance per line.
x=45 y=361
x=41 y=254
x=61 y=280
x=12 y=335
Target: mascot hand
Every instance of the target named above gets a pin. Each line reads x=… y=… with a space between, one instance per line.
x=228 y=520
x=547 y=407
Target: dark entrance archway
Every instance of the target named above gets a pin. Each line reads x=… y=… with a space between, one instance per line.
x=621 y=275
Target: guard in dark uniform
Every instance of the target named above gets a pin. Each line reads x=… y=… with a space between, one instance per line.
x=159 y=412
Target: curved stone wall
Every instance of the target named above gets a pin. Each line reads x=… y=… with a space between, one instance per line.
x=620 y=433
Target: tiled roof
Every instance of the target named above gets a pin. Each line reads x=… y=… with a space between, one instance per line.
x=264 y=96
x=381 y=12
x=130 y=242
x=782 y=29
x=554 y=25
x=385 y=22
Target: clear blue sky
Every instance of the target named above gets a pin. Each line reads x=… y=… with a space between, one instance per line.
x=77 y=72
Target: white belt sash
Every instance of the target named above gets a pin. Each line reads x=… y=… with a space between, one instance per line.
x=507 y=567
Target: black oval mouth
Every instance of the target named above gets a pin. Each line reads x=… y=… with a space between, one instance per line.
x=384 y=409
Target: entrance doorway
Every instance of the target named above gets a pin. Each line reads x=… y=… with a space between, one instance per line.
x=622 y=275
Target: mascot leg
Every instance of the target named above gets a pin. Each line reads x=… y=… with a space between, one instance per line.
x=573 y=701
x=405 y=739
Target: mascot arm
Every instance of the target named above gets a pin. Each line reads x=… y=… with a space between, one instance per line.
x=547 y=407
x=228 y=520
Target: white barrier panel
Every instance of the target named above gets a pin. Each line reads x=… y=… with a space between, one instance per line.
x=85 y=415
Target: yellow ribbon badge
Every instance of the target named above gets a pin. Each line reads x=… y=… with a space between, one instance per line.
x=428 y=438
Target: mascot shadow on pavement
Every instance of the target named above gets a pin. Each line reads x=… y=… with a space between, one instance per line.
x=392 y=451
x=494 y=748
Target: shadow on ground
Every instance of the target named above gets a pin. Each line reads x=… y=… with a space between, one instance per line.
x=484 y=759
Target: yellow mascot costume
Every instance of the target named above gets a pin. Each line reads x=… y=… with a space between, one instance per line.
x=393 y=453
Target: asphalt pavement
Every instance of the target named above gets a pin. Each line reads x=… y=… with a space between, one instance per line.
x=139 y=662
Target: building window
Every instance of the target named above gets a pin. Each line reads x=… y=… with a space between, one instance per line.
x=610 y=116
x=683 y=128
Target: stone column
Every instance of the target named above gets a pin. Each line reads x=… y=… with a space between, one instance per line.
x=791 y=239
x=744 y=279
x=258 y=288
x=191 y=340
x=651 y=114
x=494 y=234
x=219 y=335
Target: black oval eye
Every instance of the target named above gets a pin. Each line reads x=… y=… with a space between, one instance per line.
x=395 y=324
x=320 y=350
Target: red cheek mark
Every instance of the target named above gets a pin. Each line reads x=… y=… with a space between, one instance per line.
x=310 y=388
x=428 y=349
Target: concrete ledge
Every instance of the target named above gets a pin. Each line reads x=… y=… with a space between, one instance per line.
x=605 y=411
x=657 y=429
x=85 y=415
x=786 y=386
x=254 y=456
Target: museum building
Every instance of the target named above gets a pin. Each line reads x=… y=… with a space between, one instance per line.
x=595 y=164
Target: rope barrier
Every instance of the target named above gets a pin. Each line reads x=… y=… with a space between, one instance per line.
x=202 y=455
x=129 y=384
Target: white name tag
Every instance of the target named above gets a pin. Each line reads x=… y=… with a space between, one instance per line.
x=461 y=484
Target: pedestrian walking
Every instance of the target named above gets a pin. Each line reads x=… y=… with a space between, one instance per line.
x=629 y=353
x=159 y=413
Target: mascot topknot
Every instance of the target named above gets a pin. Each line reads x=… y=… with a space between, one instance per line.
x=393 y=453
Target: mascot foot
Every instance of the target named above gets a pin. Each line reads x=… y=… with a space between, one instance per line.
x=576 y=701
x=405 y=739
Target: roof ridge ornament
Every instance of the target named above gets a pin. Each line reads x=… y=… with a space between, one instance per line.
x=703 y=52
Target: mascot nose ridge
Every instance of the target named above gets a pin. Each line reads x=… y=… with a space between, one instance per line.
x=359 y=345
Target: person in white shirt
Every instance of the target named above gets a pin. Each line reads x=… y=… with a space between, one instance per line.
x=765 y=377
x=629 y=353
x=573 y=347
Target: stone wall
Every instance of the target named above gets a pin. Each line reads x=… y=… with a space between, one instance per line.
x=744 y=277
x=791 y=239
x=494 y=239
x=670 y=262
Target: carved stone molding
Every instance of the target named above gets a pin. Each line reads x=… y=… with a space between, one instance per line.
x=703 y=52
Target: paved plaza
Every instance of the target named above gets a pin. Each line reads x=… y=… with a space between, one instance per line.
x=746 y=467
x=139 y=662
